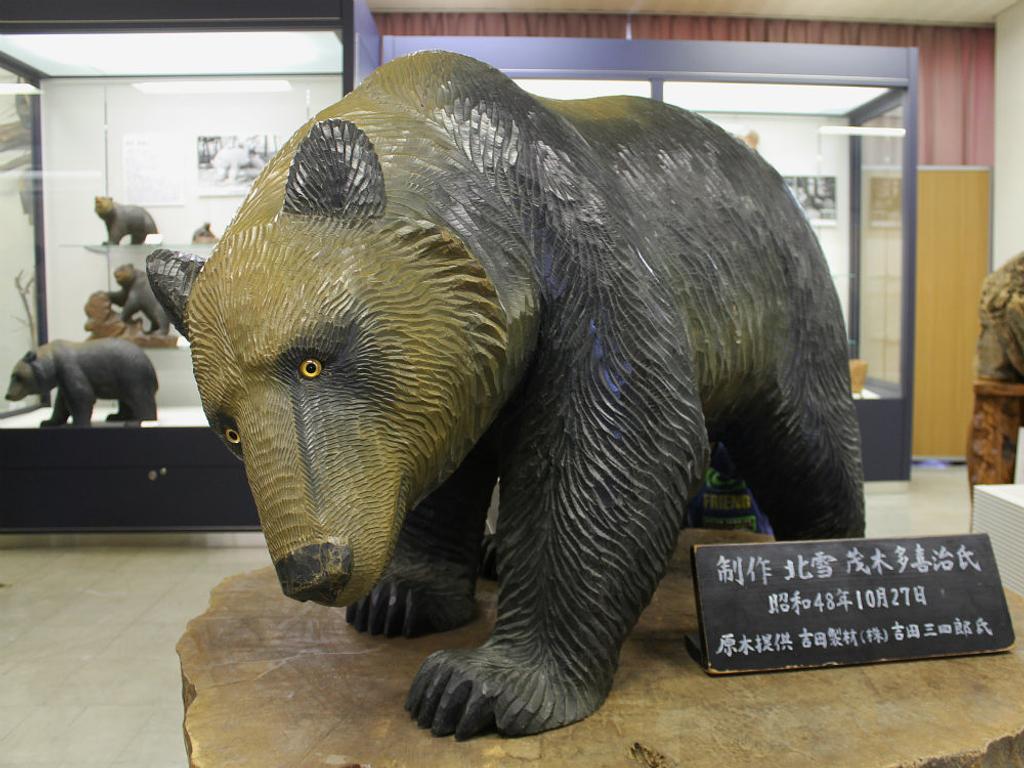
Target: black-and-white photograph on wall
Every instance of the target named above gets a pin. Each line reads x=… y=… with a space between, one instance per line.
x=816 y=195
x=228 y=164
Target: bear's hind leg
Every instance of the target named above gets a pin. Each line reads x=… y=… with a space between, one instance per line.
x=429 y=585
x=124 y=412
x=140 y=402
x=800 y=454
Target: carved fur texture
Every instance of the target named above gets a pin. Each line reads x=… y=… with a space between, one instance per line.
x=1001 y=311
x=569 y=295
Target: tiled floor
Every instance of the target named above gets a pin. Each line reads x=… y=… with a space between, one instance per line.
x=88 y=672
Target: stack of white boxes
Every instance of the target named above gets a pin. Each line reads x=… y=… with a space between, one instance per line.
x=999 y=512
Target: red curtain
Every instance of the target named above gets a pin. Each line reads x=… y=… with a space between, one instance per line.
x=503 y=24
x=956 y=87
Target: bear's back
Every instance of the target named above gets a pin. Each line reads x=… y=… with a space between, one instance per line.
x=105 y=360
x=132 y=216
x=688 y=181
x=676 y=176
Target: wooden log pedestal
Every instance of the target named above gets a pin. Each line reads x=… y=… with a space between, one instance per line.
x=992 y=445
x=271 y=682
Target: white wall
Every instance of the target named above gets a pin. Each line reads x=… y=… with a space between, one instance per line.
x=1008 y=221
x=792 y=144
x=84 y=125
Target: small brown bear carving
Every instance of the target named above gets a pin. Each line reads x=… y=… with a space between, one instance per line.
x=124 y=220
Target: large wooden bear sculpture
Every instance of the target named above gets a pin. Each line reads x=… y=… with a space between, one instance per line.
x=441 y=280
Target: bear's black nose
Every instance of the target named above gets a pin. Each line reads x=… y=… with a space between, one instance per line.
x=316 y=572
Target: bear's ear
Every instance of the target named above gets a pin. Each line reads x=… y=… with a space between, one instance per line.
x=171 y=276
x=30 y=357
x=336 y=173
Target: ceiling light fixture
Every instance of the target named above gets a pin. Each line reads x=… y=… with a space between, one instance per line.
x=768 y=98
x=18 y=89
x=862 y=130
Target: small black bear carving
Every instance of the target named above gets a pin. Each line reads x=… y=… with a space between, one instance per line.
x=124 y=220
x=137 y=296
x=83 y=372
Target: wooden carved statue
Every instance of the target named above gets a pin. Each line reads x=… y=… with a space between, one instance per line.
x=83 y=372
x=441 y=280
x=103 y=322
x=204 y=234
x=135 y=296
x=124 y=220
x=1001 y=343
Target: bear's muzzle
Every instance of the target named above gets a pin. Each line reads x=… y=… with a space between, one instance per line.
x=317 y=572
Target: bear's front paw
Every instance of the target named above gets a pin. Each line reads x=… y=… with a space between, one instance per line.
x=467 y=692
x=399 y=607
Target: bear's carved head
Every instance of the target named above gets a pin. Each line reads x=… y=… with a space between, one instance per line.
x=125 y=275
x=25 y=380
x=350 y=357
x=104 y=205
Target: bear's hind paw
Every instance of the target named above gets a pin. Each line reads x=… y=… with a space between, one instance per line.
x=469 y=692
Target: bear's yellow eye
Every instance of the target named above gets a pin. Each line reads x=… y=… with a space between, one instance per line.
x=232 y=436
x=311 y=368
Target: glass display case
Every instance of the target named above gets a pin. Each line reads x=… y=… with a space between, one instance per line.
x=19 y=332
x=160 y=122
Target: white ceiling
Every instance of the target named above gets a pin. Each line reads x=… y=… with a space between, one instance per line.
x=906 y=11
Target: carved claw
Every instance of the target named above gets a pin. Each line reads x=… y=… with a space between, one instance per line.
x=469 y=692
x=399 y=607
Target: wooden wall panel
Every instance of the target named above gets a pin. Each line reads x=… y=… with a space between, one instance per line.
x=953 y=223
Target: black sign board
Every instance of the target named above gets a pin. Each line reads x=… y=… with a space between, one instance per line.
x=847 y=601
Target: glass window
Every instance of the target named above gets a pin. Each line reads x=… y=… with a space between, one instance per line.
x=550 y=88
x=18 y=321
x=177 y=124
x=792 y=128
x=769 y=98
x=881 y=246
